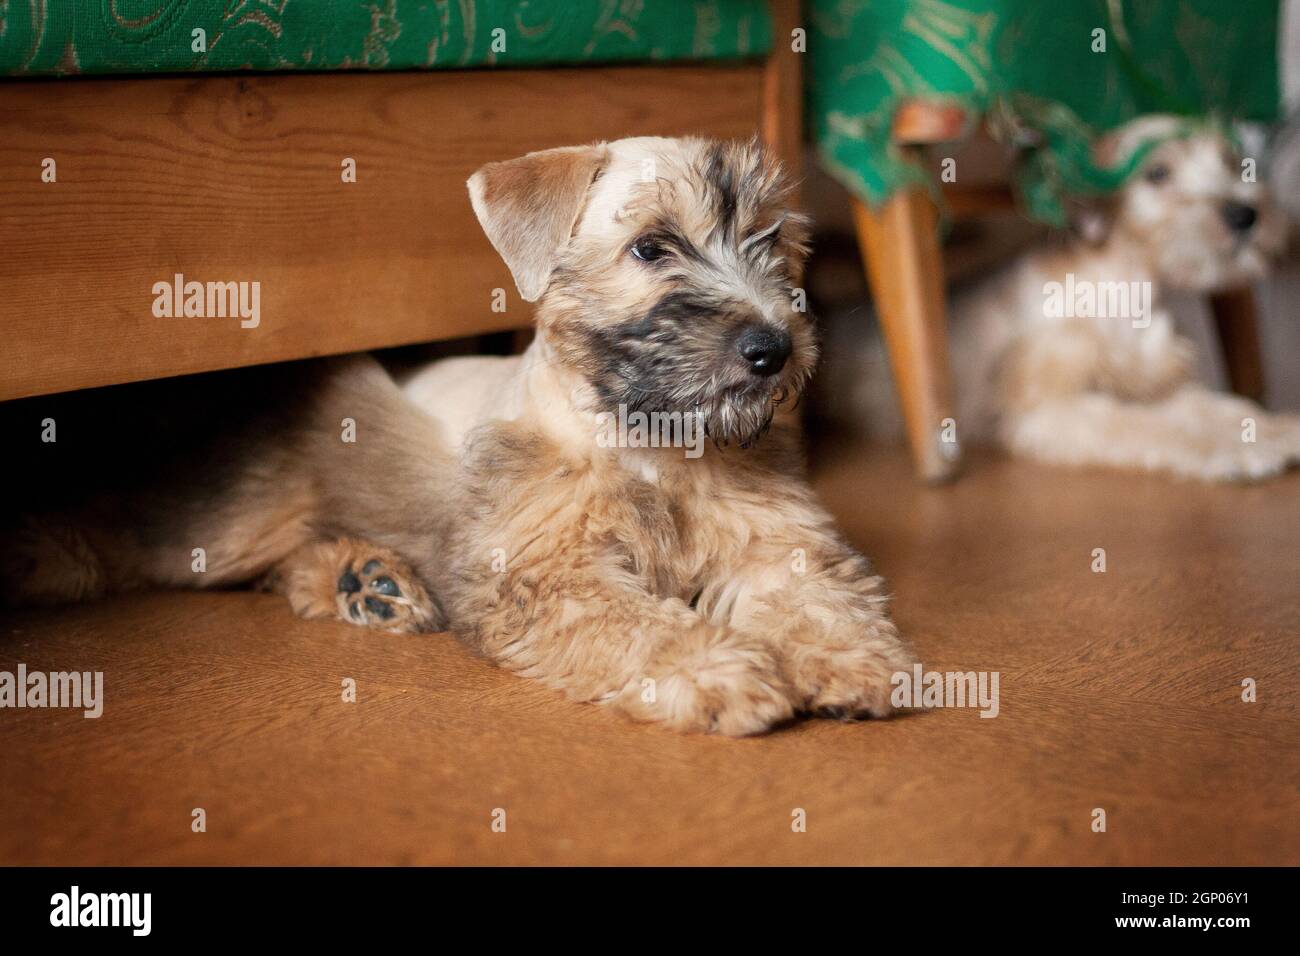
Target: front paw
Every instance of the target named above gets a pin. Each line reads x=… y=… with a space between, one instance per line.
x=1230 y=439
x=710 y=680
x=1256 y=448
x=847 y=673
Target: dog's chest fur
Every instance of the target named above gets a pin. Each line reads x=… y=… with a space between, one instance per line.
x=656 y=520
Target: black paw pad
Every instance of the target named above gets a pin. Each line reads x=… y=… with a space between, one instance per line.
x=349 y=583
x=379 y=608
x=386 y=586
x=373 y=565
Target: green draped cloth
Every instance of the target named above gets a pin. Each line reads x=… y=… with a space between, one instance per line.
x=43 y=37
x=1033 y=63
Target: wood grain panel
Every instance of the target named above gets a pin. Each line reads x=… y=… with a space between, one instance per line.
x=238 y=179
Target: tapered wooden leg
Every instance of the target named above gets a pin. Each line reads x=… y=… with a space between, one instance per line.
x=1234 y=319
x=899 y=244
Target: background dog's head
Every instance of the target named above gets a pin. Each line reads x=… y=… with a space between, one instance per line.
x=1189 y=210
x=665 y=269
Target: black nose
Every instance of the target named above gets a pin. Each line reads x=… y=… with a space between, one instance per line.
x=1239 y=217
x=765 y=349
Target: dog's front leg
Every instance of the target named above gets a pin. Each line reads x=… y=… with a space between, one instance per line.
x=817 y=602
x=1192 y=433
x=652 y=659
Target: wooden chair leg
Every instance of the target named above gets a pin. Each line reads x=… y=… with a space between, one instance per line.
x=899 y=244
x=1234 y=319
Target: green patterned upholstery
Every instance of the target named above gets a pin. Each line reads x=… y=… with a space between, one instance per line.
x=43 y=37
x=1032 y=61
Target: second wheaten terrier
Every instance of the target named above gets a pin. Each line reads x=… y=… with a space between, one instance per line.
x=1070 y=355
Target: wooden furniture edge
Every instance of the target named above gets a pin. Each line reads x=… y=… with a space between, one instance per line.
x=222 y=177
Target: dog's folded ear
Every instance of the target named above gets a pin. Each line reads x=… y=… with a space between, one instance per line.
x=1091 y=218
x=529 y=206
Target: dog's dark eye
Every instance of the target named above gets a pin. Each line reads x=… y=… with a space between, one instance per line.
x=1157 y=174
x=648 y=249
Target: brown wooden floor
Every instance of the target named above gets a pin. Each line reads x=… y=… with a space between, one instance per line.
x=1118 y=690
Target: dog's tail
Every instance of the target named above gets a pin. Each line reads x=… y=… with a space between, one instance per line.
x=248 y=464
x=45 y=561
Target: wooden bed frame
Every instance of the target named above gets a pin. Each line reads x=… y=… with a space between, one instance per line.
x=239 y=179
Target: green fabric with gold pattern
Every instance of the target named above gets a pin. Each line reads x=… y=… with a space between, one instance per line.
x=43 y=37
x=1064 y=68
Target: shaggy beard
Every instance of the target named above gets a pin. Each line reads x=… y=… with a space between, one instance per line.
x=736 y=413
x=743 y=422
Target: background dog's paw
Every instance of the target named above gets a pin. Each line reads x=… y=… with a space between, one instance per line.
x=378 y=592
x=1234 y=440
x=711 y=680
x=1236 y=465
x=850 y=676
x=1251 y=454
x=1283 y=433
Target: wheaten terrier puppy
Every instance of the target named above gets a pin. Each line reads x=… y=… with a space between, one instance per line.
x=563 y=511
x=1069 y=356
